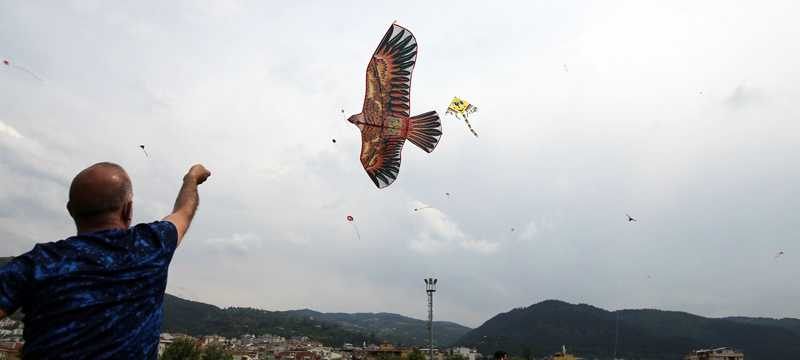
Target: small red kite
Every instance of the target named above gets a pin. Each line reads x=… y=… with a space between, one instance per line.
x=355 y=228
x=8 y=63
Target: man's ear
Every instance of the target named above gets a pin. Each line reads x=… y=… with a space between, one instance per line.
x=127 y=212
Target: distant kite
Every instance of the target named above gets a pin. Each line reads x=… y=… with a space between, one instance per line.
x=334 y=139
x=779 y=254
x=385 y=120
x=423 y=208
x=355 y=228
x=630 y=219
x=145 y=151
x=8 y=63
x=460 y=109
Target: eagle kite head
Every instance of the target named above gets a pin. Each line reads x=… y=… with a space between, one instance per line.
x=357 y=120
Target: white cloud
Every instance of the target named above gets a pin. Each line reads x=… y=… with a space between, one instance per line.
x=8 y=130
x=440 y=234
x=529 y=231
x=240 y=244
x=297 y=238
x=480 y=246
x=426 y=245
x=439 y=224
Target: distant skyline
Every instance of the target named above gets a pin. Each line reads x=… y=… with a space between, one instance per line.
x=682 y=114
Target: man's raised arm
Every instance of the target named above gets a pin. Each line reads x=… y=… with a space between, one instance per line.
x=188 y=199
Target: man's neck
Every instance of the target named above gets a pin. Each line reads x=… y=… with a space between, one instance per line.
x=109 y=225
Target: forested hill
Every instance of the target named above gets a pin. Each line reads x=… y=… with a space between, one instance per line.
x=790 y=324
x=196 y=318
x=591 y=332
x=397 y=329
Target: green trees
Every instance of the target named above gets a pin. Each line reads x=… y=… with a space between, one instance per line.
x=181 y=349
x=389 y=357
x=216 y=352
x=527 y=353
x=455 y=357
x=186 y=349
x=415 y=355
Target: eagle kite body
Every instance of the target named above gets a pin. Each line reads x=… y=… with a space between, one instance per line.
x=385 y=121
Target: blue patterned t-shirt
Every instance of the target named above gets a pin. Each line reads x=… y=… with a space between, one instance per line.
x=92 y=296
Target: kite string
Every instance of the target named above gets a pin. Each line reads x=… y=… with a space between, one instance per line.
x=358 y=233
x=470 y=126
x=27 y=71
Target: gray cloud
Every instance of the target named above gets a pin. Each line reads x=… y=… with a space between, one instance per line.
x=743 y=96
x=254 y=91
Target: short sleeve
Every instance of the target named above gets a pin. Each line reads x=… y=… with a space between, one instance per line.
x=16 y=280
x=167 y=235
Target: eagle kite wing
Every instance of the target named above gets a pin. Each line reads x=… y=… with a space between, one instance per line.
x=389 y=77
x=380 y=155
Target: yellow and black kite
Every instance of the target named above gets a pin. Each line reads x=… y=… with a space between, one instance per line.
x=461 y=108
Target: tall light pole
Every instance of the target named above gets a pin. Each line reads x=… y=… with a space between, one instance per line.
x=430 y=288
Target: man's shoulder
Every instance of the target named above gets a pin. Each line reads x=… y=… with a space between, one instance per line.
x=162 y=229
x=161 y=233
x=156 y=233
x=158 y=228
x=49 y=254
x=5 y=260
x=159 y=225
x=48 y=249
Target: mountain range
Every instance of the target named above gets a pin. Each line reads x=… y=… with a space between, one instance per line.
x=591 y=332
x=195 y=318
x=534 y=331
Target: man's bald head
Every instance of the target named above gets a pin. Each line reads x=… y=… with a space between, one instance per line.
x=99 y=194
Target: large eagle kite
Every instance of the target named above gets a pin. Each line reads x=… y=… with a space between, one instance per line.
x=385 y=120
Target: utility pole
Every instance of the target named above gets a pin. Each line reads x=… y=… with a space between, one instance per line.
x=616 y=334
x=430 y=288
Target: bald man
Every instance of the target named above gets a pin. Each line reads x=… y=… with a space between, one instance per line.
x=99 y=294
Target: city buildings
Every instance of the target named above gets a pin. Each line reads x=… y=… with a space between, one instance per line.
x=466 y=353
x=722 y=353
x=273 y=347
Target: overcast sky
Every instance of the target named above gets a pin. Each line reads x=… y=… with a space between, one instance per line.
x=682 y=113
